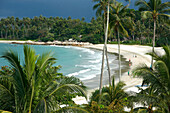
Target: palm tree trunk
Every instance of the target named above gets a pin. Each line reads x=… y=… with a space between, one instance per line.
x=119 y=56
x=108 y=66
x=6 y=34
x=148 y=32
x=106 y=37
x=133 y=36
x=13 y=34
x=17 y=35
x=140 y=36
x=102 y=69
x=10 y=34
x=1 y=34
x=153 y=42
x=104 y=51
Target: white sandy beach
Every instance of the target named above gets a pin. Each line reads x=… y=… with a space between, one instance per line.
x=128 y=52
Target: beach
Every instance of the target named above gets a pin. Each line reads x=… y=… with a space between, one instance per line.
x=137 y=56
x=135 y=53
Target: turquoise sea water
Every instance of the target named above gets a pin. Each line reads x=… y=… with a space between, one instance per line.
x=75 y=61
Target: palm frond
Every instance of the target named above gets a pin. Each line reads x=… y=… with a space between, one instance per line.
x=6 y=99
x=70 y=87
x=19 y=78
x=2 y=111
x=122 y=30
x=163 y=6
x=143 y=5
x=41 y=107
x=30 y=60
x=165 y=11
x=96 y=6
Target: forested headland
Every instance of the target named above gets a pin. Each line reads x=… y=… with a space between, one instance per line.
x=57 y=28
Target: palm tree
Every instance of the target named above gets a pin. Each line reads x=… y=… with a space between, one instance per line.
x=34 y=86
x=117 y=17
x=158 y=79
x=1 y=28
x=6 y=21
x=155 y=8
x=113 y=96
x=103 y=5
x=12 y=20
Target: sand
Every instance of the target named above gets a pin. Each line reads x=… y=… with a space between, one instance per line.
x=128 y=52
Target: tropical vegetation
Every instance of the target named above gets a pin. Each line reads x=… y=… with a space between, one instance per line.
x=113 y=99
x=155 y=8
x=35 y=86
x=158 y=80
x=57 y=28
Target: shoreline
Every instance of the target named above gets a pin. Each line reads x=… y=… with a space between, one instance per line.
x=128 y=52
x=65 y=43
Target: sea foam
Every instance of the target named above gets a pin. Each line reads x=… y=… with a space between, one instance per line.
x=77 y=73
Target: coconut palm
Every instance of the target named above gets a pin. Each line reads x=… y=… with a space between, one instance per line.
x=117 y=17
x=103 y=5
x=158 y=79
x=34 y=86
x=113 y=96
x=2 y=28
x=155 y=8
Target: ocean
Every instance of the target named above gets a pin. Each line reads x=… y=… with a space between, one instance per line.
x=83 y=63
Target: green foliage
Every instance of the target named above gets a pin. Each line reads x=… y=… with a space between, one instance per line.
x=131 y=42
x=55 y=28
x=48 y=29
x=113 y=99
x=49 y=37
x=95 y=39
x=36 y=85
x=158 y=80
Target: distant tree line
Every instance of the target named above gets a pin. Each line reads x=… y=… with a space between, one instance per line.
x=57 y=28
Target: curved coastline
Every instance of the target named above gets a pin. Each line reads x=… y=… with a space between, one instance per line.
x=129 y=52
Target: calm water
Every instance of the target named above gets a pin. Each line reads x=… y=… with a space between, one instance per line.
x=80 y=62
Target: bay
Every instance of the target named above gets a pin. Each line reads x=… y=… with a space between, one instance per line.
x=75 y=61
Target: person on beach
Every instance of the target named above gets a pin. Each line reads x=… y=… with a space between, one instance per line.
x=130 y=63
x=129 y=60
x=128 y=73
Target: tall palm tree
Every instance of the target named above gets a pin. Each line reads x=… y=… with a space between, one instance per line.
x=155 y=8
x=103 y=5
x=158 y=79
x=34 y=86
x=117 y=17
